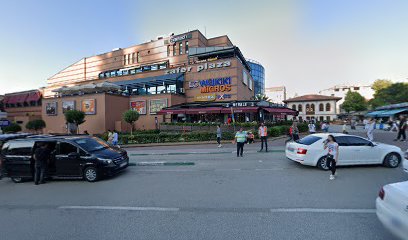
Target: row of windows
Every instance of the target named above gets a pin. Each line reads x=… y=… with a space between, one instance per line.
x=132 y=71
x=311 y=107
x=172 y=88
x=321 y=118
x=25 y=104
x=180 y=48
x=131 y=59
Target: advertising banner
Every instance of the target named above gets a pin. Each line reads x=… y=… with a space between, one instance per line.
x=89 y=106
x=139 y=106
x=51 y=109
x=157 y=105
x=67 y=106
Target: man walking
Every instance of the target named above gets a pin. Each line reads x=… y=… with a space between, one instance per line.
x=402 y=127
x=263 y=134
x=370 y=129
x=240 y=138
x=41 y=156
x=115 y=138
x=219 y=135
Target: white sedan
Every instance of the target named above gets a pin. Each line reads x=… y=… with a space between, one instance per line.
x=405 y=164
x=392 y=208
x=353 y=150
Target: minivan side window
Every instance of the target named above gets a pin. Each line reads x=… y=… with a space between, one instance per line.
x=67 y=148
x=20 y=148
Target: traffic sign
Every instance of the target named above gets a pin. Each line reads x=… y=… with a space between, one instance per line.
x=5 y=123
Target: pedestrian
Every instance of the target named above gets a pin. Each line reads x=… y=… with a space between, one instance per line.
x=41 y=157
x=86 y=132
x=295 y=132
x=219 y=135
x=263 y=134
x=290 y=134
x=402 y=127
x=353 y=124
x=312 y=127
x=250 y=138
x=332 y=154
x=240 y=139
x=110 y=136
x=345 y=127
x=115 y=138
x=394 y=126
x=370 y=129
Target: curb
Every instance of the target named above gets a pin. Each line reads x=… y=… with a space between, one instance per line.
x=197 y=153
x=162 y=164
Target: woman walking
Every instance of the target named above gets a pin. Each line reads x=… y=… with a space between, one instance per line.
x=219 y=135
x=240 y=138
x=332 y=154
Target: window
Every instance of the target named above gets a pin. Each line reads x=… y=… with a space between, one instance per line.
x=154 y=67
x=124 y=59
x=321 y=107
x=129 y=60
x=342 y=141
x=321 y=118
x=133 y=58
x=181 y=48
x=91 y=144
x=328 y=107
x=328 y=118
x=294 y=107
x=307 y=107
x=67 y=148
x=138 y=70
x=356 y=88
x=309 y=140
x=132 y=71
x=138 y=57
x=312 y=107
x=300 y=108
x=168 y=50
x=19 y=148
x=186 y=47
x=163 y=66
x=356 y=141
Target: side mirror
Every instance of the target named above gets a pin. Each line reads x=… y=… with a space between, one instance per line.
x=371 y=144
x=73 y=155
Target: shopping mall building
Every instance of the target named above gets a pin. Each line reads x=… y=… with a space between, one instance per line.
x=184 y=77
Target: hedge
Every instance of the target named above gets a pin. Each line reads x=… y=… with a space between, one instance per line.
x=168 y=137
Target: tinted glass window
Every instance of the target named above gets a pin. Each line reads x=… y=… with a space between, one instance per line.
x=356 y=141
x=342 y=141
x=308 y=140
x=23 y=148
x=91 y=144
x=67 y=148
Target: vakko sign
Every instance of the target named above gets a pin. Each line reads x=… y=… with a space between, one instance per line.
x=199 y=68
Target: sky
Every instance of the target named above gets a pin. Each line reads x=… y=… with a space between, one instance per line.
x=305 y=45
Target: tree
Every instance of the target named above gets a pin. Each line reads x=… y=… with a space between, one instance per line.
x=381 y=84
x=75 y=117
x=131 y=117
x=261 y=97
x=354 y=102
x=12 y=128
x=36 y=125
x=394 y=93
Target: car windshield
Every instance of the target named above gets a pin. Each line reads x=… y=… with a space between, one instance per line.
x=91 y=144
x=308 y=140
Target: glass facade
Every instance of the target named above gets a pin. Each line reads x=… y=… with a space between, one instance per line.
x=258 y=74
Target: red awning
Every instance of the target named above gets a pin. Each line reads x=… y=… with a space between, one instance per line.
x=203 y=110
x=6 y=99
x=171 y=111
x=240 y=109
x=19 y=98
x=33 y=97
x=280 y=111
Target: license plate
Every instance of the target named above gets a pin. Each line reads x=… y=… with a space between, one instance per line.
x=122 y=164
x=290 y=149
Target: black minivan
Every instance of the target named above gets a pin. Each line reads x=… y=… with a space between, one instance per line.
x=81 y=156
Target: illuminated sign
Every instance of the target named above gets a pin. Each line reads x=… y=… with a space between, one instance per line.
x=212 y=85
x=181 y=38
x=200 y=67
x=205 y=97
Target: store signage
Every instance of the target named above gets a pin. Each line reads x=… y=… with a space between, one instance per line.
x=181 y=38
x=212 y=85
x=205 y=97
x=223 y=96
x=5 y=123
x=199 y=68
x=241 y=104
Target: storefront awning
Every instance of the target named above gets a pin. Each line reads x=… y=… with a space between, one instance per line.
x=33 y=97
x=376 y=113
x=280 y=111
x=240 y=110
x=203 y=110
x=389 y=113
x=19 y=98
x=152 y=81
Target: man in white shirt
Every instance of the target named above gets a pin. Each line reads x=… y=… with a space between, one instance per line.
x=115 y=138
x=370 y=129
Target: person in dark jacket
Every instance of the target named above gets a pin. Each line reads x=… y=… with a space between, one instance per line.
x=41 y=156
x=402 y=127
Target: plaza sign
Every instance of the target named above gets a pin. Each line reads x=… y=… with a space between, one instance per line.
x=181 y=38
x=200 y=67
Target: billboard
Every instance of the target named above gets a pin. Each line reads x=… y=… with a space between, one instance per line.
x=51 y=109
x=89 y=106
x=157 y=105
x=139 y=106
x=67 y=106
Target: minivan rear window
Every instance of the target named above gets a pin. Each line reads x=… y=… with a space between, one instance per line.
x=20 y=148
x=308 y=140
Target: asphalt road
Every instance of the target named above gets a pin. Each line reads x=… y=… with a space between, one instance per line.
x=259 y=196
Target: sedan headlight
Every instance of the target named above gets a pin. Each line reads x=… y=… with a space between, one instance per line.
x=106 y=161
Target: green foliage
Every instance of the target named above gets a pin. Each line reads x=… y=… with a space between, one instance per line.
x=354 y=102
x=36 y=125
x=75 y=117
x=381 y=84
x=394 y=93
x=172 y=137
x=131 y=117
x=261 y=97
x=12 y=128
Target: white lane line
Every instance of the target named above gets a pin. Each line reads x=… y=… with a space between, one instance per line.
x=159 y=209
x=320 y=210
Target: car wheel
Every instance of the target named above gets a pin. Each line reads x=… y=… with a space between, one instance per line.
x=322 y=164
x=17 y=179
x=392 y=160
x=91 y=174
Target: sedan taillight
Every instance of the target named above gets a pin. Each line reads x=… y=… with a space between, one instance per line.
x=301 y=151
x=381 y=194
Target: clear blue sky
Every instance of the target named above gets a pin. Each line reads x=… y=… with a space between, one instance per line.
x=317 y=43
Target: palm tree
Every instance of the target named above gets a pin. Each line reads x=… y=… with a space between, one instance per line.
x=262 y=97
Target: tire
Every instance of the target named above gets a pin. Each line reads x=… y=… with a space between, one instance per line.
x=322 y=164
x=91 y=174
x=17 y=179
x=392 y=160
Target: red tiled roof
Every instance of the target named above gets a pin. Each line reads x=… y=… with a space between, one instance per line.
x=311 y=97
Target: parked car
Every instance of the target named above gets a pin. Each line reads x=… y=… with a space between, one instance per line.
x=353 y=150
x=72 y=157
x=405 y=163
x=392 y=208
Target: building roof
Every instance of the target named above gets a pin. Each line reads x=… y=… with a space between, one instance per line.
x=312 y=97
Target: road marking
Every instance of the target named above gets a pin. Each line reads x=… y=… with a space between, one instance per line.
x=159 y=209
x=321 y=210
